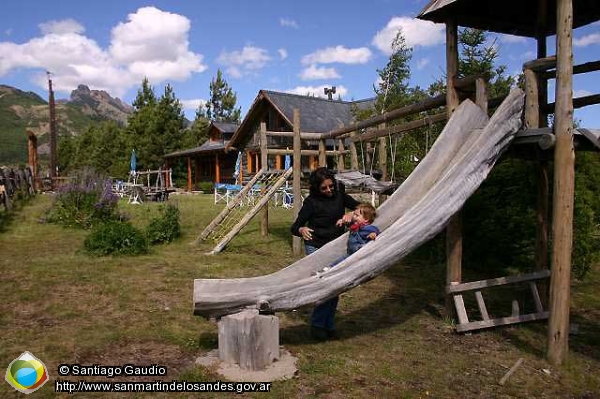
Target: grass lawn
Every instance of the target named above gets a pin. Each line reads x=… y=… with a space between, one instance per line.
x=66 y=307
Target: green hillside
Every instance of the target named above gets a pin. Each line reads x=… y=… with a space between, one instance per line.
x=22 y=111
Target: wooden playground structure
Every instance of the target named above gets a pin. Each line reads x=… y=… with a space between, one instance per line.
x=538 y=19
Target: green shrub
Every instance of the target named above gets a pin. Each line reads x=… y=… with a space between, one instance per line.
x=115 y=238
x=165 y=227
x=206 y=186
x=86 y=201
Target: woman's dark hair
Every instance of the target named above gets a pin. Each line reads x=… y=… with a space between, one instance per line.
x=317 y=177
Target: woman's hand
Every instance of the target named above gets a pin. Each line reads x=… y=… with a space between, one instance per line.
x=347 y=218
x=306 y=233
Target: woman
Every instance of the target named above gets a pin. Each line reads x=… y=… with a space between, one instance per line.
x=316 y=224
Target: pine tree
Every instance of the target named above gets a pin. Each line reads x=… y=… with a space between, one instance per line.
x=221 y=106
x=155 y=128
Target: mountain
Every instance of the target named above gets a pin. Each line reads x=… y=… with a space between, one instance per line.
x=99 y=104
x=26 y=111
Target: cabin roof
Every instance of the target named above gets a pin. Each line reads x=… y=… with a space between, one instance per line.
x=317 y=115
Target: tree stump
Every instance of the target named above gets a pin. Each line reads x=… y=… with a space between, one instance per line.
x=249 y=339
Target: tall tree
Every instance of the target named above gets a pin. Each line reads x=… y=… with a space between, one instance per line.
x=155 y=128
x=221 y=106
x=392 y=90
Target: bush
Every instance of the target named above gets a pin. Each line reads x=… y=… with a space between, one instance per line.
x=85 y=202
x=164 y=228
x=115 y=238
x=206 y=186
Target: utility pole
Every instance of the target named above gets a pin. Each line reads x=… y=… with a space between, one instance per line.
x=52 y=132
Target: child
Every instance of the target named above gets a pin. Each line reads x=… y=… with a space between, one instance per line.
x=361 y=230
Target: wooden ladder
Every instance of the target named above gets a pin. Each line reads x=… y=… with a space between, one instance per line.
x=464 y=324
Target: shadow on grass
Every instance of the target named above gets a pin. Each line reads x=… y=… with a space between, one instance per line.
x=416 y=288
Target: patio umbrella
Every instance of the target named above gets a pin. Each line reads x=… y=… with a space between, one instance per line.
x=238 y=166
x=287 y=162
x=132 y=163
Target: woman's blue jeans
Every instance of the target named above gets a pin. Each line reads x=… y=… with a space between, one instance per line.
x=324 y=314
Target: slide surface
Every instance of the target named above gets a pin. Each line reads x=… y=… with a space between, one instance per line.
x=458 y=162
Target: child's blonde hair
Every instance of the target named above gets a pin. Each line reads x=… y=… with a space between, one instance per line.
x=367 y=211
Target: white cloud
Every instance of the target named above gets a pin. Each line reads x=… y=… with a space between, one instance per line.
x=422 y=63
x=60 y=27
x=529 y=55
x=416 y=33
x=290 y=23
x=587 y=40
x=151 y=43
x=240 y=63
x=317 y=91
x=282 y=53
x=313 y=73
x=512 y=39
x=192 y=104
x=339 y=54
x=581 y=93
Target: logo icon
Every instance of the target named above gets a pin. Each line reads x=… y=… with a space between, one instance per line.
x=26 y=373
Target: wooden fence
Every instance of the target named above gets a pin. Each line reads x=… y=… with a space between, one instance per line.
x=15 y=185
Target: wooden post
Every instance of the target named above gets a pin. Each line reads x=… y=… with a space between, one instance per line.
x=313 y=163
x=217 y=169
x=278 y=162
x=249 y=161
x=189 y=174
x=264 y=161
x=32 y=156
x=481 y=97
x=297 y=241
x=167 y=175
x=454 y=229
x=341 y=162
x=196 y=173
x=353 y=152
x=533 y=120
x=249 y=339
x=322 y=155
x=564 y=171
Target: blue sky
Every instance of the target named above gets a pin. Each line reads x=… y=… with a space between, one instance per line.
x=284 y=45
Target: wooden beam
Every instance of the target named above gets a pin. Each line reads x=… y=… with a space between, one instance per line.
x=541 y=64
x=564 y=184
x=577 y=69
x=322 y=153
x=353 y=152
x=296 y=189
x=578 y=102
x=403 y=128
x=341 y=162
x=481 y=96
x=189 y=174
x=303 y=136
x=277 y=151
x=454 y=228
x=264 y=161
x=502 y=321
x=425 y=105
x=217 y=169
x=494 y=282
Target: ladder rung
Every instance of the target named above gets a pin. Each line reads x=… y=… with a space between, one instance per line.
x=460 y=309
x=536 y=297
x=481 y=305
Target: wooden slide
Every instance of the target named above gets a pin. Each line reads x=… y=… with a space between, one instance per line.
x=456 y=165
